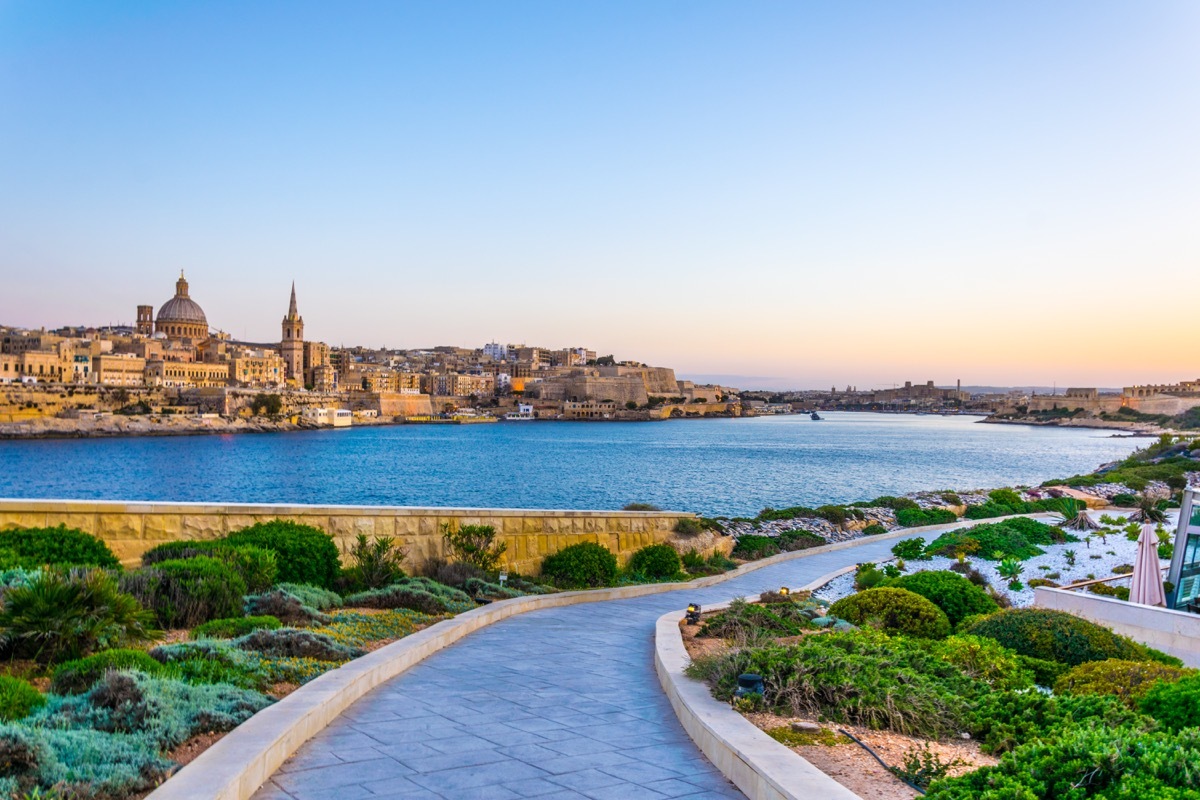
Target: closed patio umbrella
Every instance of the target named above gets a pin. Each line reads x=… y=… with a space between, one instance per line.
x=1146 y=587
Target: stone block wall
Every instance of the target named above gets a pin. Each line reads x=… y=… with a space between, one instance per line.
x=132 y=528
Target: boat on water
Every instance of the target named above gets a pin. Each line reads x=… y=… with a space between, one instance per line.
x=514 y=416
x=815 y=417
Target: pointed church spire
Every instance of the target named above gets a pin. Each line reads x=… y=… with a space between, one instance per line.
x=292 y=312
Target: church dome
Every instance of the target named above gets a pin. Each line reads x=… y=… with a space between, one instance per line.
x=182 y=309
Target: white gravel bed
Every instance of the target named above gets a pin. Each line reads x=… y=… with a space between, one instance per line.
x=1094 y=559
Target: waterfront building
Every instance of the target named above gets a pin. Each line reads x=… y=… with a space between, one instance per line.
x=181 y=317
x=291 y=346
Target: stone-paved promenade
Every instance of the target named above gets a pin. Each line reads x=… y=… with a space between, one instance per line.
x=554 y=704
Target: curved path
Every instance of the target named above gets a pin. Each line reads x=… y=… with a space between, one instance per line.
x=554 y=704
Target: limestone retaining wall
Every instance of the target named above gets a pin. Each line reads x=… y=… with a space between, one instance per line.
x=132 y=528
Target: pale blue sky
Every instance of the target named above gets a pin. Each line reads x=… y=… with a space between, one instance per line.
x=815 y=192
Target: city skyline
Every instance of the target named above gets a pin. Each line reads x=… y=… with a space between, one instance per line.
x=819 y=195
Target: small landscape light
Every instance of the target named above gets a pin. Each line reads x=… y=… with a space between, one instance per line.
x=693 y=614
x=749 y=683
x=785 y=591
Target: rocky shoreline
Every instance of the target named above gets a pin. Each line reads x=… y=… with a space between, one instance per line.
x=1130 y=428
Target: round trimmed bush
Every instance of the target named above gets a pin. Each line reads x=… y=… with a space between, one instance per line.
x=187 y=592
x=60 y=546
x=303 y=554
x=1126 y=680
x=1057 y=636
x=581 y=566
x=952 y=593
x=235 y=626
x=77 y=677
x=893 y=611
x=656 y=561
x=18 y=698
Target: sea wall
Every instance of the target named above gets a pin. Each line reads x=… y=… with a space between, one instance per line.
x=132 y=528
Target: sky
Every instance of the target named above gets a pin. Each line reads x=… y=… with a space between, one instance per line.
x=782 y=194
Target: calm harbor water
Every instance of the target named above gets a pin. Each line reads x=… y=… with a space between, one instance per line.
x=719 y=466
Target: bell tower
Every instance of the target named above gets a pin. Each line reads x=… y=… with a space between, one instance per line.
x=291 y=347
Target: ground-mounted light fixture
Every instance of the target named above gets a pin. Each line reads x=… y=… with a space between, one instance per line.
x=784 y=591
x=693 y=614
x=749 y=683
x=503 y=578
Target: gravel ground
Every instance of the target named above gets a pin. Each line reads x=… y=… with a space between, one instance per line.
x=1093 y=559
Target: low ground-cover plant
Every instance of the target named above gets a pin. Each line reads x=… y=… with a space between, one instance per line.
x=581 y=566
x=985 y=660
x=1088 y=762
x=860 y=677
x=416 y=593
x=59 y=616
x=1013 y=538
x=893 y=611
x=743 y=622
x=697 y=565
x=956 y=596
x=1003 y=720
x=296 y=643
x=234 y=627
x=59 y=546
x=283 y=605
x=304 y=554
x=312 y=596
x=1058 y=636
x=256 y=566
x=874 y=529
x=656 y=562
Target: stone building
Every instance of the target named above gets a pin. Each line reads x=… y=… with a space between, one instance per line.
x=181 y=317
x=291 y=346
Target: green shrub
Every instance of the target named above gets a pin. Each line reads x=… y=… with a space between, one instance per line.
x=1176 y=705
x=1005 y=497
x=985 y=660
x=304 y=554
x=860 y=677
x=746 y=622
x=581 y=566
x=1124 y=500
x=475 y=545
x=887 y=501
x=656 y=561
x=1015 y=538
x=791 y=541
x=1003 y=720
x=374 y=564
x=752 y=547
x=60 y=546
x=256 y=566
x=958 y=597
x=234 y=627
x=1126 y=680
x=75 y=677
x=686 y=526
x=893 y=611
x=1085 y=762
x=60 y=616
x=916 y=517
x=874 y=529
x=1058 y=636
x=17 y=699
x=295 y=643
x=400 y=596
x=283 y=605
x=312 y=596
x=184 y=593
x=868 y=576
x=910 y=549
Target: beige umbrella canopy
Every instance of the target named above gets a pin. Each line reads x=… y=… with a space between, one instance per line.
x=1146 y=587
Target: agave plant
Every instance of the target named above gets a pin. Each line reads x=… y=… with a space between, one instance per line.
x=1147 y=511
x=1010 y=568
x=1075 y=516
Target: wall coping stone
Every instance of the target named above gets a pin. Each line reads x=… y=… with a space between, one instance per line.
x=240 y=762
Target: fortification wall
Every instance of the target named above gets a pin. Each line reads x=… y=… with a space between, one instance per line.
x=132 y=528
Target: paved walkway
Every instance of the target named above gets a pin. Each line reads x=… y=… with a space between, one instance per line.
x=554 y=704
